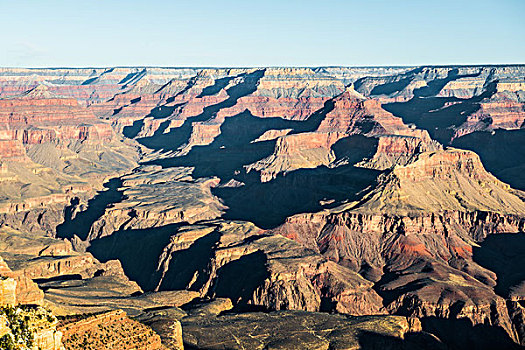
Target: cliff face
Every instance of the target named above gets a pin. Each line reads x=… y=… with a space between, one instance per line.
x=7 y=291
x=17 y=288
x=52 y=150
x=297 y=151
x=265 y=271
x=418 y=232
x=504 y=110
x=38 y=116
x=444 y=180
x=328 y=189
x=348 y=114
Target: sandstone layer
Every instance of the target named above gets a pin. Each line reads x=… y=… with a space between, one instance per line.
x=191 y=198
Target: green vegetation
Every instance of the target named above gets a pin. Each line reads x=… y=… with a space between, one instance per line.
x=23 y=321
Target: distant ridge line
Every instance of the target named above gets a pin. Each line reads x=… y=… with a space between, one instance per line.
x=257 y=67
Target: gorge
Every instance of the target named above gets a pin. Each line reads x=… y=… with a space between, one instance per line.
x=366 y=207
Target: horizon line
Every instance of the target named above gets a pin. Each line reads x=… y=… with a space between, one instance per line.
x=269 y=66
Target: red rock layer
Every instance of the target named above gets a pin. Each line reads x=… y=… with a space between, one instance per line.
x=353 y=114
x=430 y=254
x=401 y=149
x=39 y=120
x=441 y=164
x=292 y=144
x=409 y=237
x=336 y=234
x=12 y=149
x=187 y=105
x=204 y=133
x=506 y=114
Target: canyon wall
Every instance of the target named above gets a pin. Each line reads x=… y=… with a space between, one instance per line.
x=351 y=190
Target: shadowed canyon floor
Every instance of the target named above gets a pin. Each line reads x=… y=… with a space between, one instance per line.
x=348 y=208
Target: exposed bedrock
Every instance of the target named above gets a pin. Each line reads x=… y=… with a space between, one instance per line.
x=446 y=81
x=349 y=114
x=54 y=150
x=329 y=189
x=156 y=197
x=110 y=330
x=416 y=243
x=237 y=261
x=299 y=329
x=39 y=116
x=421 y=266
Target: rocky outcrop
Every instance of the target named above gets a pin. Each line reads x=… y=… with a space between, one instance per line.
x=412 y=235
x=517 y=316
x=31 y=256
x=30 y=327
x=355 y=114
x=400 y=149
x=297 y=151
x=302 y=330
x=52 y=263
x=111 y=330
x=157 y=197
x=17 y=288
x=443 y=180
x=166 y=324
x=7 y=290
x=378 y=216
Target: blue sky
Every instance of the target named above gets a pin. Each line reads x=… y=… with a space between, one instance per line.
x=73 y=33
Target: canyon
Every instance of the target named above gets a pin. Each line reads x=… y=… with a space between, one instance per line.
x=203 y=208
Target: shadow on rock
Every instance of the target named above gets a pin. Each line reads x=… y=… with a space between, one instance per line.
x=504 y=255
x=137 y=250
x=268 y=204
x=188 y=268
x=432 y=114
x=412 y=341
x=177 y=137
x=238 y=279
x=460 y=334
x=502 y=153
x=80 y=225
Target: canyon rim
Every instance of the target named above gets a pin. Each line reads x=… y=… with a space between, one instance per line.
x=262 y=175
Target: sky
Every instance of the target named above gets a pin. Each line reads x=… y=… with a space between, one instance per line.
x=234 y=33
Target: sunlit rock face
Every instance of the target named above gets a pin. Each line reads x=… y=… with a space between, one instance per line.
x=198 y=197
x=53 y=149
x=115 y=325
x=39 y=116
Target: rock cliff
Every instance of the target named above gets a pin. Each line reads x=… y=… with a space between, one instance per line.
x=196 y=197
x=111 y=330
